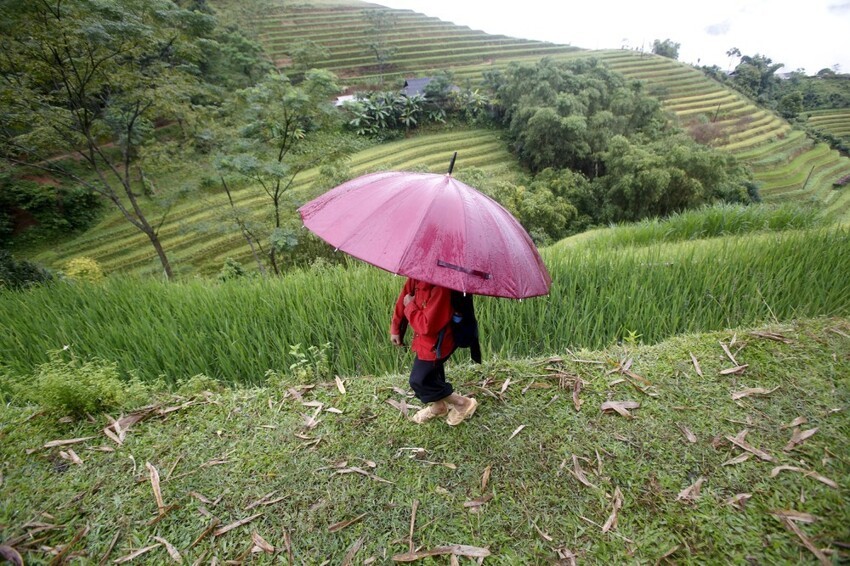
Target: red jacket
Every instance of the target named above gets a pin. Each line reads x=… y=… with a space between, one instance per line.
x=427 y=314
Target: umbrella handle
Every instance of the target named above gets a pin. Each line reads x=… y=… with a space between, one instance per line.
x=452 y=164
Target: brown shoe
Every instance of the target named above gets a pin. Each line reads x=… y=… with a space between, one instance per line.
x=426 y=414
x=457 y=416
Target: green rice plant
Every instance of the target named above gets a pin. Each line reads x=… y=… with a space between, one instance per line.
x=236 y=331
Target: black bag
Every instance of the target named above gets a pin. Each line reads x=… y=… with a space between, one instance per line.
x=464 y=325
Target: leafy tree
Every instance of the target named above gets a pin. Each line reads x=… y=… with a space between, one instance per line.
x=379 y=24
x=285 y=129
x=790 y=105
x=666 y=48
x=306 y=54
x=91 y=78
x=756 y=77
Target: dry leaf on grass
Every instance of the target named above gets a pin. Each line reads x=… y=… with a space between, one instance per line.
x=339 y=385
x=401 y=406
x=260 y=544
x=11 y=555
x=199 y=497
x=348 y=559
x=752 y=391
x=157 y=492
x=215 y=522
x=505 y=386
x=740 y=459
x=71 y=456
x=478 y=502
x=172 y=551
x=620 y=407
x=739 y=500
x=343 y=524
x=455 y=549
x=362 y=472
x=579 y=473
x=738 y=440
x=796 y=422
x=136 y=554
x=231 y=526
x=775 y=472
x=789 y=524
x=696 y=364
x=729 y=354
x=772 y=336
x=735 y=370
x=691 y=493
x=54 y=443
x=517 y=431
x=576 y=390
x=261 y=501
x=798 y=516
x=798 y=437
x=565 y=553
x=617 y=504
x=687 y=432
x=485 y=478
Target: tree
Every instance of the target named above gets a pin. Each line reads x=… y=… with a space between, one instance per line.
x=90 y=79
x=284 y=131
x=666 y=48
x=380 y=23
x=756 y=77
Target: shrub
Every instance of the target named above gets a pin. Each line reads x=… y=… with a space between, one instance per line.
x=17 y=274
x=82 y=387
x=84 y=269
x=232 y=269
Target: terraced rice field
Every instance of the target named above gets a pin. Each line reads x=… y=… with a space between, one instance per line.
x=119 y=246
x=835 y=122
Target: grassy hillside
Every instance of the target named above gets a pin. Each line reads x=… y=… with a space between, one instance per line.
x=325 y=473
x=835 y=122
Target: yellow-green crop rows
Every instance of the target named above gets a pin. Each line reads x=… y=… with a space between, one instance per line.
x=835 y=122
x=197 y=237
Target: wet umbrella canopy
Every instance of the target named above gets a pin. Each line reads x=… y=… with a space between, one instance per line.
x=432 y=228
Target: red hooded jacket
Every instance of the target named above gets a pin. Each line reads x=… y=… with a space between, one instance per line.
x=427 y=314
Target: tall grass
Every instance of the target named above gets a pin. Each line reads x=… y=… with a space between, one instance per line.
x=237 y=331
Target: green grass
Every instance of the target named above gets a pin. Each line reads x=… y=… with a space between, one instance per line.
x=222 y=451
x=235 y=332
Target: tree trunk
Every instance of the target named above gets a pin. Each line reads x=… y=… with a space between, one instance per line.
x=157 y=245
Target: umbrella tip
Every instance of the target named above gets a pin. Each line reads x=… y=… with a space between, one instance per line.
x=452 y=164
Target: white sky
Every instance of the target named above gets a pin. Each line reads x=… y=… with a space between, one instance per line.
x=811 y=34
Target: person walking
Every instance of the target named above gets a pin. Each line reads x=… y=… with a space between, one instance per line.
x=427 y=309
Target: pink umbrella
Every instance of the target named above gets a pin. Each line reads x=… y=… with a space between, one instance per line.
x=433 y=228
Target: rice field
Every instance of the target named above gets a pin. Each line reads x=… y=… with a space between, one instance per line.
x=237 y=331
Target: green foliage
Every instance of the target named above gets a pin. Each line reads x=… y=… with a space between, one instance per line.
x=232 y=269
x=76 y=387
x=84 y=269
x=17 y=274
x=666 y=48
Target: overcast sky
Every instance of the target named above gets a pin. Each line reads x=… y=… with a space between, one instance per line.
x=810 y=35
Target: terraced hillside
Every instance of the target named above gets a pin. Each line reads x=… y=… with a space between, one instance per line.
x=418 y=42
x=835 y=122
x=119 y=246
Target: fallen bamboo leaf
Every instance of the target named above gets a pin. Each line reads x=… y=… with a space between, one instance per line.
x=455 y=549
x=517 y=431
x=617 y=504
x=729 y=354
x=237 y=524
x=546 y=537
x=412 y=524
x=565 y=553
x=11 y=555
x=688 y=434
x=136 y=554
x=505 y=386
x=775 y=472
x=621 y=407
x=796 y=422
x=348 y=559
x=772 y=336
x=791 y=526
x=313 y=404
x=54 y=443
x=485 y=478
x=736 y=370
x=691 y=493
x=576 y=390
x=401 y=406
x=793 y=515
x=739 y=459
x=696 y=364
x=478 y=502
x=668 y=554
x=752 y=391
x=343 y=524
x=172 y=551
x=579 y=473
x=739 y=500
x=261 y=500
x=215 y=522
x=739 y=441
x=260 y=544
x=340 y=385
x=333 y=410
x=799 y=436
x=157 y=492
x=199 y=497
x=71 y=456
x=362 y=472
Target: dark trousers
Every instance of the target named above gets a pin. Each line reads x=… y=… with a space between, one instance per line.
x=428 y=380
